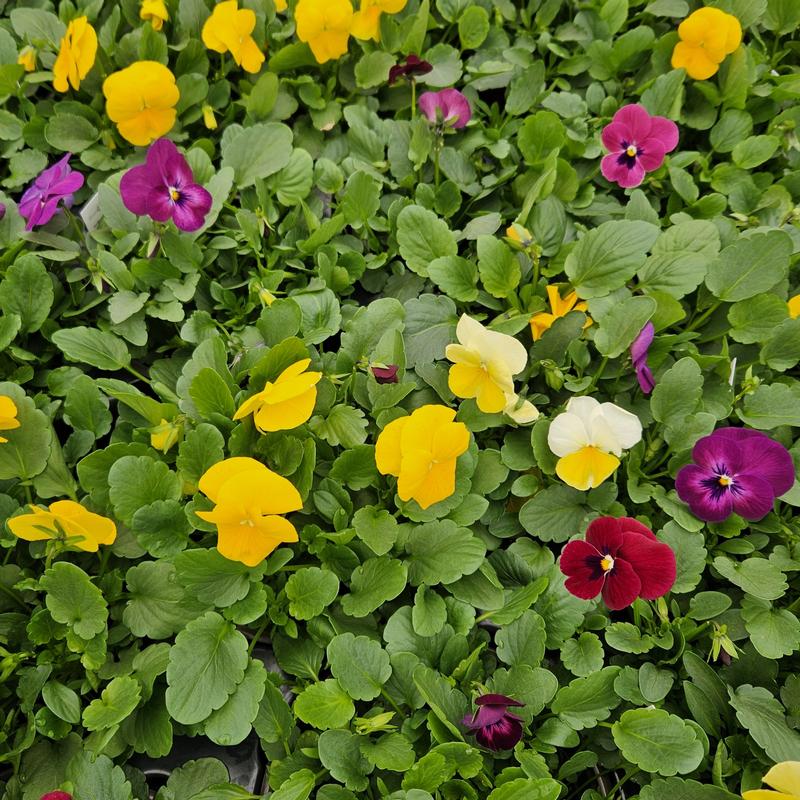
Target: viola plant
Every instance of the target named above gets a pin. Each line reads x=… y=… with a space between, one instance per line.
x=402 y=393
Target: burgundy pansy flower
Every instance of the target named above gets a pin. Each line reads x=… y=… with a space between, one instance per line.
x=56 y=796
x=494 y=726
x=386 y=374
x=410 y=67
x=641 y=344
x=620 y=559
x=735 y=470
x=446 y=107
x=39 y=203
x=637 y=144
x=163 y=188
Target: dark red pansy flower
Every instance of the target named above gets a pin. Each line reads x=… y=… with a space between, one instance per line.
x=410 y=67
x=56 y=796
x=494 y=726
x=620 y=559
x=386 y=374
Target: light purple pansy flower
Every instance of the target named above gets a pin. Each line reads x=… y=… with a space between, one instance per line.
x=447 y=106
x=637 y=144
x=164 y=188
x=494 y=726
x=39 y=203
x=641 y=344
x=735 y=470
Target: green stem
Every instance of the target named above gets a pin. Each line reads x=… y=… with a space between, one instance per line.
x=690 y=637
x=596 y=376
x=704 y=316
x=625 y=778
x=12 y=595
x=388 y=698
x=436 y=150
x=137 y=374
x=257 y=637
x=413 y=99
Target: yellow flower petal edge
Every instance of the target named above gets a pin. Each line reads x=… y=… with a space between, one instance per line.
x=560 y=307
x=587 y=468
x=155 y=11
x=794 y=306
x=707 y=36
x=325 y=25
x=76 y=55
x=229 y=30
x=65 y=518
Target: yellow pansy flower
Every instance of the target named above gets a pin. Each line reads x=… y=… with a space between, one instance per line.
x=229 y=30
x=589 y=437
x=420 y=450
x=367 y=20
x=165 y=435
x=280 y=5
x=8 y=416
x=141 y=99
x=794 y=306
x=785 y=778
x=519 y=235
x=249 y=497
x=27 y=58
x=155 y=11
x=66 y=521
x=560 y=307
x=75 y=55
x=706 y=37
x=325 y=26
x=286 y=403
x=209 y=120
x=484 y=365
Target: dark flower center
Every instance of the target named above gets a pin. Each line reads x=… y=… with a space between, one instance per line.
x=600 y=565
x=720 y=482
x=630 y=152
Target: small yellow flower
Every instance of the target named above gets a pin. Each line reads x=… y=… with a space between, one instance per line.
x=706 y=37
x=209 y=120
x=165 y=435
x=286 y=403
x=65 y=521
x=519 y=235
x=785 y=778
x=280 y=5
x=229 y=30
x=141 y=99
x=794 y=306
x=421 y=451
x=8 y=416
x=27 y=58
x=75 y=55
x=155 y=11
x=484 y=365
x=249 y=497
x=367 y=20
x=325 y=26
x=589 y=437
x=560 y=307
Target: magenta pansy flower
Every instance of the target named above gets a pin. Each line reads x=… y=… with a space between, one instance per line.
x=410 y=67
x=164 y=188
x=735 y=470
x=55 y=184
x=637 y=144
x=56 y=796
x=446 y=107
x=641 y=344
x=620 y=559
x=387 y=374
x=494 y=726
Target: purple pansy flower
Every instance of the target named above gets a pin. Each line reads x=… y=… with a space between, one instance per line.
x=39 y=203
x=735 y=470
x=641 y=344
x=447 y=106
x=637 y=143
x=410 y=67
x=163 y=188
x=494 y=726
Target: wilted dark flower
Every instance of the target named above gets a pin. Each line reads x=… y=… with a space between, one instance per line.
x=56 y=796
x=494 y=726
x=387 y=374
x=410 y=67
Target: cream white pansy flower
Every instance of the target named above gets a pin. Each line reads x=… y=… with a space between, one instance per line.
x=589 y=437
x=484 y=365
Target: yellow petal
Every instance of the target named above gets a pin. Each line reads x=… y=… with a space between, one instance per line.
x=439 y=484
x=251 y=57
x=250 y=545
x=785 y=777
x=450 y=441
x=367 y=24
x=491 y=398
x=414 y=469
x=250 y=405
x=33 y=527
x=540 y=323
x=587 y=468
x=466 y=380
x=794 y=306
x=261 y=491
x=283 y=390
x=767 y=794
x=387 y=447
x=288 y=414
x=215 y=476
x=87 y=529
x=695 y=60
x=419 y=433
x=392 y=6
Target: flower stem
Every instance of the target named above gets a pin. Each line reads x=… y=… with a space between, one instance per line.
x=138 y=375
x=413 y=99
x=596 y=376
x=704 y=316
x=257 y=636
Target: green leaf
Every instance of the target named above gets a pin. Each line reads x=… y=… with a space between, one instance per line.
x=70 y=133
x=200 y=449
x=310 y=591
x=214 y=579
x=361 y=199
x=584 y=655
x=377 y=528
x=324 y=705
x=473 y=27
x=678 y=391
x=526 y=789
x=274 y=721
x=372 y=584
x=782 y=351
x=756 y=576
x=679 y=789
x=657 y=741
x=91 y=346
x=86 y=408
x=232 y=723
x=457 y=277
x=774 y=632
x=137 y=481
x=391 y=751
x=206 y=663
x=522 y=642
x=74 y=600
x=62 y=701
x=540 y=134
x=211 y=394
x=554 y=514
x=344 y=425
x=257 y=151
x=586 y=701
x=763 y=718
x=297 y=787
x=441 y=552
x=360 y=665
x=608 y=256
x=756 y=319
x=754 y=151
x=423 y=237
x=116 y=702
x=340 y=754
x=25 y=453
x=430 y=327
x=27 y=291
x=750 y=266
x=97 y=776
x=770 y=406
x=622 y=324
x=429 y=613
x=690 y=555
x=498 y=267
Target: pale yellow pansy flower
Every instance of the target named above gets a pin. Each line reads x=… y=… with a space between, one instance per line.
x=589 y=437
x=784 y=778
